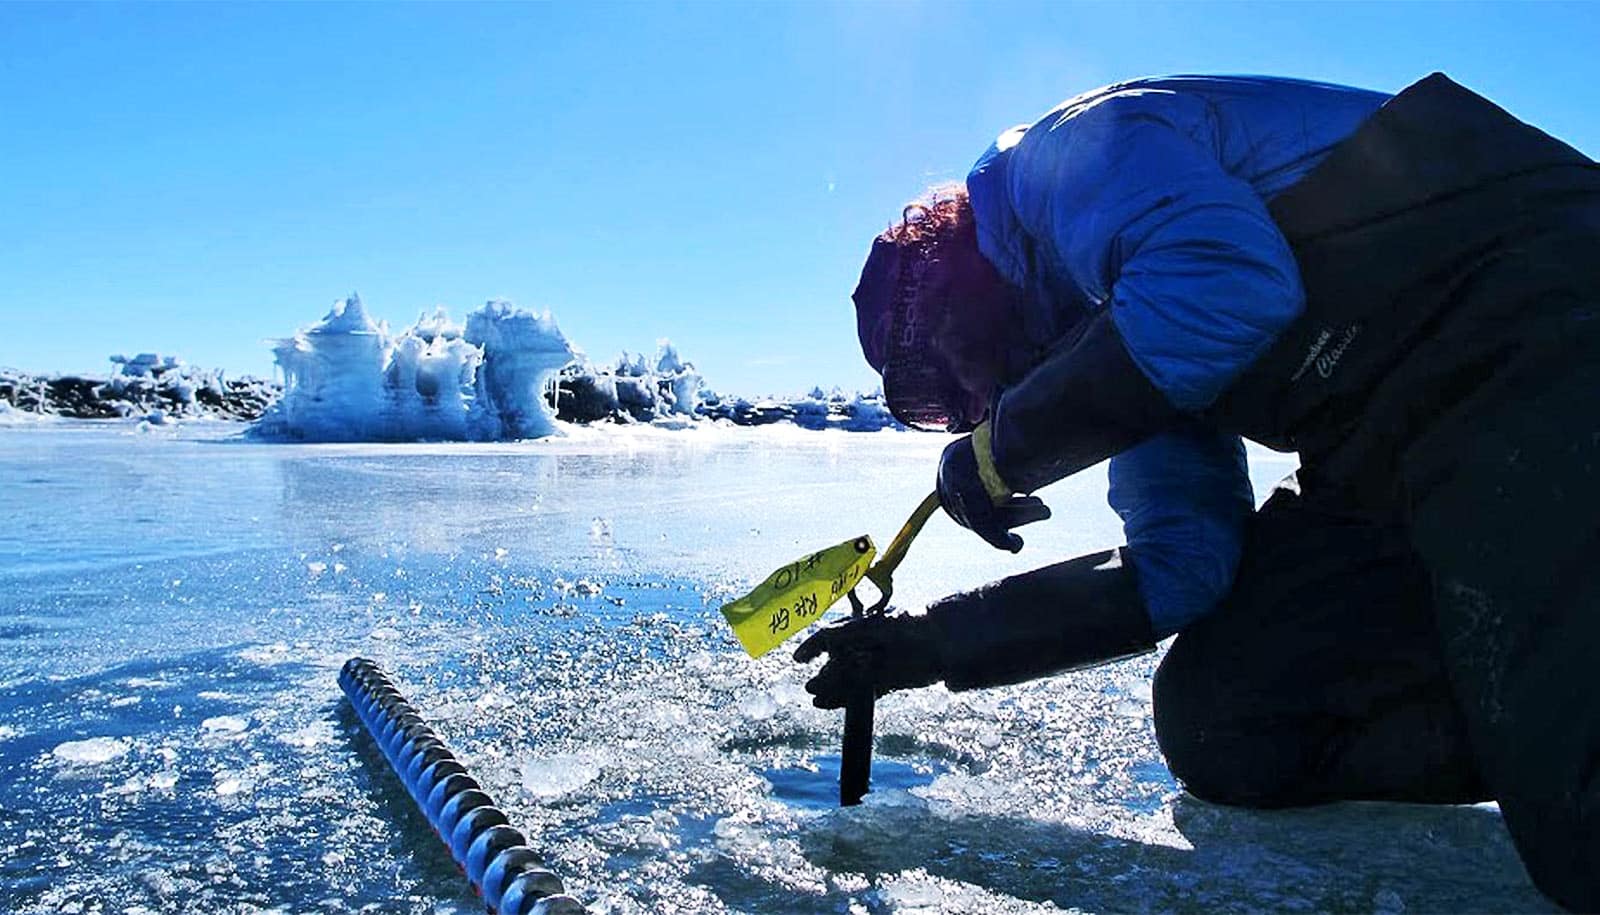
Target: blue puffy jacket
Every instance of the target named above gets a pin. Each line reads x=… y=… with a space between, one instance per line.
x=1144 y=203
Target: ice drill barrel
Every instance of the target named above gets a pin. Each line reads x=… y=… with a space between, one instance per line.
x=494 y=856
x=855 y=750
x=855 y=756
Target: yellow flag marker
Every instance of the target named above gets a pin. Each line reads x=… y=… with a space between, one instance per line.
x=797 y=594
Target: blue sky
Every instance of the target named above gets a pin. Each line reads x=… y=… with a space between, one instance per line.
x=196 y=178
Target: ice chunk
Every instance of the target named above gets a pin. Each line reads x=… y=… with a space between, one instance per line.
x=680 y=384
x=310 y=736
x=555 y=776
x=226 y=784
x=224 y=725
x=1387 y=901
x=92 y=752
x=583 y=587
x=758 y=706
x=144 y=365
x=868 y=412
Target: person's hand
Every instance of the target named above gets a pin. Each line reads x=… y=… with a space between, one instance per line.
x=975 y=497
x=880 y=653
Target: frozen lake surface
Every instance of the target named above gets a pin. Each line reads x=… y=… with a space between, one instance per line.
x=175 y=605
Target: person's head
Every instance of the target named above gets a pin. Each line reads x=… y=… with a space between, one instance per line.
x=932 y=313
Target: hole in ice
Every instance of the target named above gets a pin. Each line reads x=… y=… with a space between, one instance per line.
x=814 y=783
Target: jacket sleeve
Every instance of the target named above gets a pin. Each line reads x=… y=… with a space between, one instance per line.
x=1184 y=499
x=1190 y=278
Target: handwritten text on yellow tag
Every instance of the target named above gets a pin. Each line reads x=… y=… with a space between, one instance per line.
x=797 y=594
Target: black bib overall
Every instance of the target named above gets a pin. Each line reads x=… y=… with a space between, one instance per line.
x=1420 y=621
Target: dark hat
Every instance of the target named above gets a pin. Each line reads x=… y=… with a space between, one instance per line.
x=874 y=298
x=897 y=324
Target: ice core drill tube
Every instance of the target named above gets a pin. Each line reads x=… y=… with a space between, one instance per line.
x=495 y=857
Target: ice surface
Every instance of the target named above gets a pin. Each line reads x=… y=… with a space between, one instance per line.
x=652 y=764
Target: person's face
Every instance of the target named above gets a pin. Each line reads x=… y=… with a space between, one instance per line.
x=974 y=307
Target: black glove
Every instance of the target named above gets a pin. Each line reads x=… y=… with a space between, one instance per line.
x=1073 y=614
x=970 y=504
x=880 y=653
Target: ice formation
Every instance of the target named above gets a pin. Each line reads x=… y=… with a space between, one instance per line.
x=633 y=389
x=148 y=386
x=347 y=378
x=681 y=391
x=506 y=374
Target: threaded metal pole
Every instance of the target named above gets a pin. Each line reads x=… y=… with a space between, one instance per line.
x=496 y=858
